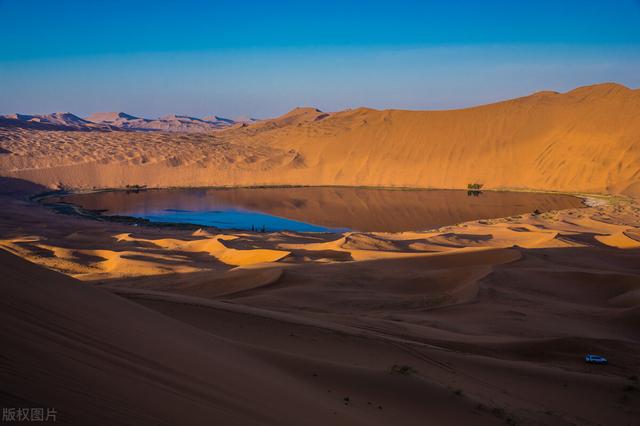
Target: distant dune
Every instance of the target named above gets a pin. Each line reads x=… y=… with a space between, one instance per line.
x=243 y=119
x=219 y=120
x=482 y=322
x=111 y=117
x=585 y=140
x=117 y=121
x=63 y=121
x=168 y=123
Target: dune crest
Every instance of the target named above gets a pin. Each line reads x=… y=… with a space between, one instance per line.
x=483 y=322
x=215 y=247
x=585 y=140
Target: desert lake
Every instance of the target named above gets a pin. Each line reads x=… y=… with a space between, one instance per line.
x=319 y=209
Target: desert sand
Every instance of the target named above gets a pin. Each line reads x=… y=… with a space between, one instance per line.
x=483 y=322
x=581 y=141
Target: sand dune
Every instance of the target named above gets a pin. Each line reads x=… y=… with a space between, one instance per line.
x=482 y=322
x=491 y=318
x=168 y=123
x=215 y=247
x=62 y=121
x=321 y=339
x=176 y=373
x=584 y=140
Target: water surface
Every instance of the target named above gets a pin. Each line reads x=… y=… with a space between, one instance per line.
x=319 y=209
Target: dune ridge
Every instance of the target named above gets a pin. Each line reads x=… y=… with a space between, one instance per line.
x=585 y=140
x=482 y=322
x=167 y=123
x=491 y=319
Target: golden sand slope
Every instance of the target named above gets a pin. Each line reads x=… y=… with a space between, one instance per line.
x=166 y=256
x=492 y=317
x=584 y=140
x=101 y=250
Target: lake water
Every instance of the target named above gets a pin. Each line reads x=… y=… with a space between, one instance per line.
x=319 y=209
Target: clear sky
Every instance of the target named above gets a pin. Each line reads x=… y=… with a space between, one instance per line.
x=262 y=58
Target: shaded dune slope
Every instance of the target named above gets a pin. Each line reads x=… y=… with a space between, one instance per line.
x=100 y=359
x=249 y=358
x=492 y=318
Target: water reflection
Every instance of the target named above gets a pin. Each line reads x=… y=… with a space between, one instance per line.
x=321 y=208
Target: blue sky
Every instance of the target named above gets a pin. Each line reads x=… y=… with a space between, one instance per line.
x=230 y=58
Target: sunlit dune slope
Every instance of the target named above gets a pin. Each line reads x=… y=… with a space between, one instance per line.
x=584 y=140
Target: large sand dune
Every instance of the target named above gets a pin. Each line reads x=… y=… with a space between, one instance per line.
x=491 y=319
x=483 y=322
x=584 y=140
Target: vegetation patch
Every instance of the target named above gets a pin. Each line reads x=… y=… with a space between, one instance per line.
x=135 y=188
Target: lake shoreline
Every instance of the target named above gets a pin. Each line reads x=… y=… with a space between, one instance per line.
x=97 y=212
x=472 y=300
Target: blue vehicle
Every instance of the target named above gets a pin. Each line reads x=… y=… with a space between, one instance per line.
x=595 y=359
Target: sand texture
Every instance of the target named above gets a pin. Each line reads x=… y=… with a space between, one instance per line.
x=585 y=140
x=482 y=322
x=116 y=324
x=169 y=123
